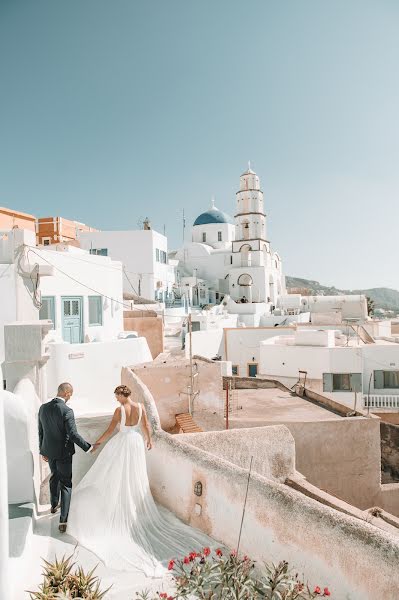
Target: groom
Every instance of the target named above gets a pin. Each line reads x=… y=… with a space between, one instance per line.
x=57 y=439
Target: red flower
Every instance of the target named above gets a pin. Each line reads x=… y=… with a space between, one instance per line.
x=192 y=555
x=219 y=552
x=163 y=595
x=207 y=551
x=186 y=560
x=233 y=553
x=317 y=590
x=246 y=558
x=171 y=565
x=170 y=598
x=327 y=592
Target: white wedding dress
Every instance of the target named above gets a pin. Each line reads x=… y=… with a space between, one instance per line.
x=114 y=515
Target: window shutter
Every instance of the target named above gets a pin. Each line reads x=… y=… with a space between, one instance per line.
x=378 y=380
x=327 y=382
x=356 y=382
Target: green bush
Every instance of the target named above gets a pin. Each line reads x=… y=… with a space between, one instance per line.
x=219 y=576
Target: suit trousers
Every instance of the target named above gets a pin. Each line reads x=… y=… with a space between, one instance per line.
x=61 y=484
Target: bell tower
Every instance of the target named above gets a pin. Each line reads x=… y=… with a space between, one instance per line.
x=250 y=219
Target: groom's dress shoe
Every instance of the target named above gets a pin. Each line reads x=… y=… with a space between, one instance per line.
x=54 y=509
x=62 y=527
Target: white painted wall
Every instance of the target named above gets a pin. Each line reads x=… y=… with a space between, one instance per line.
x=4 y=560
x=206 y=343
x=136 y=249
x=242 y=344
x=93 y=370
x=211 y=231
x=78 y=273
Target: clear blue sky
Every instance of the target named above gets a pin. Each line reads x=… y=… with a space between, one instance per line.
x=115 y=110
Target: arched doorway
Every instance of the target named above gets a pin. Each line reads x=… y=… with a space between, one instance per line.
x=245 y=252
x=245 y=286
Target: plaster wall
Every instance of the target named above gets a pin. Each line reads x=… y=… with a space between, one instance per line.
x=23 y=464
x=149 y=327
x=93 y=370
x=272 y=449
x=168 y=381
x=342 y=457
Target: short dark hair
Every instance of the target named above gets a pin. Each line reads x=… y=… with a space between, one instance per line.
x=123 y=390
x=64 y=387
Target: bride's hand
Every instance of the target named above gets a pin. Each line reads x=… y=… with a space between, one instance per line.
x=149 y=444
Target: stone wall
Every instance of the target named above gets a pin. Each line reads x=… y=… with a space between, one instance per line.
x=389 y=451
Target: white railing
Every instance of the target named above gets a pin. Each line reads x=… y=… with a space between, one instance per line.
x=380 y=401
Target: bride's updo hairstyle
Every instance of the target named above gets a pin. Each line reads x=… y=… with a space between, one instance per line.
x=123 y=390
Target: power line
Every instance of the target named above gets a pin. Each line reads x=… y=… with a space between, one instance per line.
x=77 y=280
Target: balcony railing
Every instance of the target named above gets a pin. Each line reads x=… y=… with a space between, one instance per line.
x=381 y=401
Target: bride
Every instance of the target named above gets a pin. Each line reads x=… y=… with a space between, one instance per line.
x=113 y=513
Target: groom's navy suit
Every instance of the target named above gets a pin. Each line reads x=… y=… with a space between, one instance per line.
x=57 y=439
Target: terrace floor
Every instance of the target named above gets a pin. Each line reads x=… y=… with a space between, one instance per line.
x=27 y=550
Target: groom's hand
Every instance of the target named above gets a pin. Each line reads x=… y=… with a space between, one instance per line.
x=94 y=448
x=45 y=458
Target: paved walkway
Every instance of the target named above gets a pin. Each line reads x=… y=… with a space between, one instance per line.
x=27 y=550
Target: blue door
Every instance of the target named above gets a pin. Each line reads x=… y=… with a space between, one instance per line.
x=72 y=319
x=252 y=369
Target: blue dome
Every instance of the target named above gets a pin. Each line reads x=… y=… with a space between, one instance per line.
x=213 y=215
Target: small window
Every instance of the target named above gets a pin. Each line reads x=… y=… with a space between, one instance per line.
x=204 y=237
x=386 y=380
x=47 y=309
x=46 y=241
x=391 y=379
x=219 y=236
x=95 y=310
x=157 y=254
x=235 y=370
x=341 y=382
x=231 y=260
x=99 y=251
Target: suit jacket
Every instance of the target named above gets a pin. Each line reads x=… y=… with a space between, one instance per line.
x=57 y=431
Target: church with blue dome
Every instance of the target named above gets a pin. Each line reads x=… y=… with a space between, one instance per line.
x=232 y=256
x=213 y=215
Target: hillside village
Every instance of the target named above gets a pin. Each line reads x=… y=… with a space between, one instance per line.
x=236 y=365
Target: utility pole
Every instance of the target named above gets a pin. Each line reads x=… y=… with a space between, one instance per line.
x=192 y=393
x=227 y=404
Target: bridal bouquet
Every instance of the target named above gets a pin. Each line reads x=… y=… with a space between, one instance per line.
x=217 y=575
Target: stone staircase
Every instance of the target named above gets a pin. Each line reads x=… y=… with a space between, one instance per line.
x=186 y=424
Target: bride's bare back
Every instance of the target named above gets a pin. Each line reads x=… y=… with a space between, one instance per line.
x=133 y=413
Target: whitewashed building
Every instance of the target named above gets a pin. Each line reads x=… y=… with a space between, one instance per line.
x=144 y=255
x=342 y=367
x=79 y=297
x=234 y=257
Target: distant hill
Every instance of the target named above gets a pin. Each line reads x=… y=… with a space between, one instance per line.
x=383 y=297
